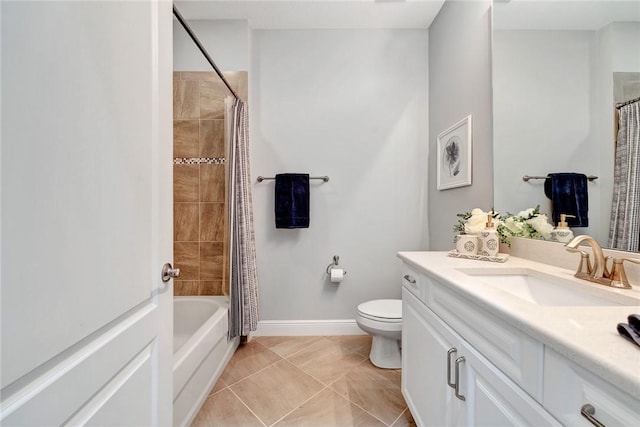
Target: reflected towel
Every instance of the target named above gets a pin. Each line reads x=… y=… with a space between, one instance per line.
x=292 y=200
x=568 y=194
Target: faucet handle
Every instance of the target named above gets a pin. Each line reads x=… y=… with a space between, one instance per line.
x=618 y=276
x=606 y=273
x=584 y=268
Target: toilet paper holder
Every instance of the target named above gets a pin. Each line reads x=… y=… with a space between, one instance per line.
x=336 y=259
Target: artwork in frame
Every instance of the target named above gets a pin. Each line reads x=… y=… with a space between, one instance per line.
x=454 y=155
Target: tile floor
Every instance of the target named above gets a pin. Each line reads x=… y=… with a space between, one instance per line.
x=305 y=381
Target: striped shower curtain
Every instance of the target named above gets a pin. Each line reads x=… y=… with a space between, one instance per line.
x=243 y=313
x=624 y=230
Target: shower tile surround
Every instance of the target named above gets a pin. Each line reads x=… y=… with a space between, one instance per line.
x=273 y=381
x=199 y=171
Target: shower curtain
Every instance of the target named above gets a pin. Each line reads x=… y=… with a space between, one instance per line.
x=243 y=310
x=624 y=230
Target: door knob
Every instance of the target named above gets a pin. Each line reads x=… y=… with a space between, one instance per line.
x=168 y=272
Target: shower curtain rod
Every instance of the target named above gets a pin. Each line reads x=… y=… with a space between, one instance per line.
x=186 y=27
x=619 y=105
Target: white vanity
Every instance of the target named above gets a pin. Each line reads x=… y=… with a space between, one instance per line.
x=514 y=343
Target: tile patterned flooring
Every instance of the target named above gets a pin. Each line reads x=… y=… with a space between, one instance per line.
x=305 y=381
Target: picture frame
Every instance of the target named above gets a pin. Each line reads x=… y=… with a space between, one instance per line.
x=455 y=155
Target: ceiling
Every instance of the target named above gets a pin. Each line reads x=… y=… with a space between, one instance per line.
x=316 y=14
x=562 y=15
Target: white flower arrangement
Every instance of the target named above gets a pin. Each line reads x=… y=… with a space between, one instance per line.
x=528 y=223
x=474 y=222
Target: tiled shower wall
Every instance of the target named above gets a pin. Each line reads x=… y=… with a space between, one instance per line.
x=199 y=173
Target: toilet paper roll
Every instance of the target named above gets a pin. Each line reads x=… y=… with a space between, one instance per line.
x=337 y=274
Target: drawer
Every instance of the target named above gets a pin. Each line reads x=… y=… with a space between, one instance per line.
x=413 y=281
x=517 y=355
x=568 y=387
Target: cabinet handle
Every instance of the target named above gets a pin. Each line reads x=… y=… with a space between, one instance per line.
x=459 y=360
x=588 y=411
x=451 y=351
x=409 y=279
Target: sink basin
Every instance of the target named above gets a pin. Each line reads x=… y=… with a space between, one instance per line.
x=549 y=290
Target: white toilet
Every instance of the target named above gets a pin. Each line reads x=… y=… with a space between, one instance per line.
x=382 y=319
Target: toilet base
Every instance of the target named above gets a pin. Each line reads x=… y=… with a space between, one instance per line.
x=385 y=352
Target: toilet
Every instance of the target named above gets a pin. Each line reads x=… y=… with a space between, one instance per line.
x=382 y=319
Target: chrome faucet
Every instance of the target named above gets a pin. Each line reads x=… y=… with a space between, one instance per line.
x=598 y=273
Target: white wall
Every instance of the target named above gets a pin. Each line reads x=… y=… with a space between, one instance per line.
x=351 y=104
x=227 y=42
x=545 y=100
x=626 y=54
x=459 y=85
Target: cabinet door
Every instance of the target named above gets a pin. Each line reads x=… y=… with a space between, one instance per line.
x=492 y=399
x=425 y=343
x=567 y=388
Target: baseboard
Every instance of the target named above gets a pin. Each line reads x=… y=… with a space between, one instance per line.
x=292 y=328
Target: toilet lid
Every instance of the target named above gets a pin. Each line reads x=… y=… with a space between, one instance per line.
x=383 y=308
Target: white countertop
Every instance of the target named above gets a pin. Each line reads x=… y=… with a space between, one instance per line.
x=584 y=334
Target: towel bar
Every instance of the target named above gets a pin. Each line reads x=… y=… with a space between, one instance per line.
x=526 y=178
x=324 y=178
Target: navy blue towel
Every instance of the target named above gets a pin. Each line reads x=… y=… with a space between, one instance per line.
x=568 y=194
x=292 y=200
x=631 y=331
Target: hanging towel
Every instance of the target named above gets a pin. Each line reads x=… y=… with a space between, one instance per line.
x=292 y=200
x=568 y=194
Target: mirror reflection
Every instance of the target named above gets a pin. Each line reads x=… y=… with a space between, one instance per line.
x=559 y=69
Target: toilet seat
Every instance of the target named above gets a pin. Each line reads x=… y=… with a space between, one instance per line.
x=382 y=310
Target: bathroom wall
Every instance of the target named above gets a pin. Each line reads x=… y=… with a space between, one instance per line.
x=227 y=42
x=200 y=249
x=198 y=188
x=350 y=104
x=459 y=85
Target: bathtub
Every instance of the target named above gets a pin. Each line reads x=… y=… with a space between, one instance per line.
x=201 y=350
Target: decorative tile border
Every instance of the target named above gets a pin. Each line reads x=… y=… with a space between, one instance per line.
x=199 y=160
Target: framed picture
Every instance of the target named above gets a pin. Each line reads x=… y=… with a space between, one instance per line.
x=454 y=155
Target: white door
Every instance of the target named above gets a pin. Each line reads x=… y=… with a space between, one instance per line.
x=86 y=213
x=426 y=342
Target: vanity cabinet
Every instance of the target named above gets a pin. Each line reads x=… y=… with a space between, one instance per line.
x=446 y=381
x=425 y=349
x=569 y=389
x=504 y=376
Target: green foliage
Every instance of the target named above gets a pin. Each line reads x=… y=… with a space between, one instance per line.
x=458 y=228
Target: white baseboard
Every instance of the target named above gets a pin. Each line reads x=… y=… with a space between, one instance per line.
x=293 y=328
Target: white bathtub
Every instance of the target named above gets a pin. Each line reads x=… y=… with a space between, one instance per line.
x=201 y=350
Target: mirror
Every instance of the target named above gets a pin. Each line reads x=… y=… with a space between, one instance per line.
x=559 y=68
